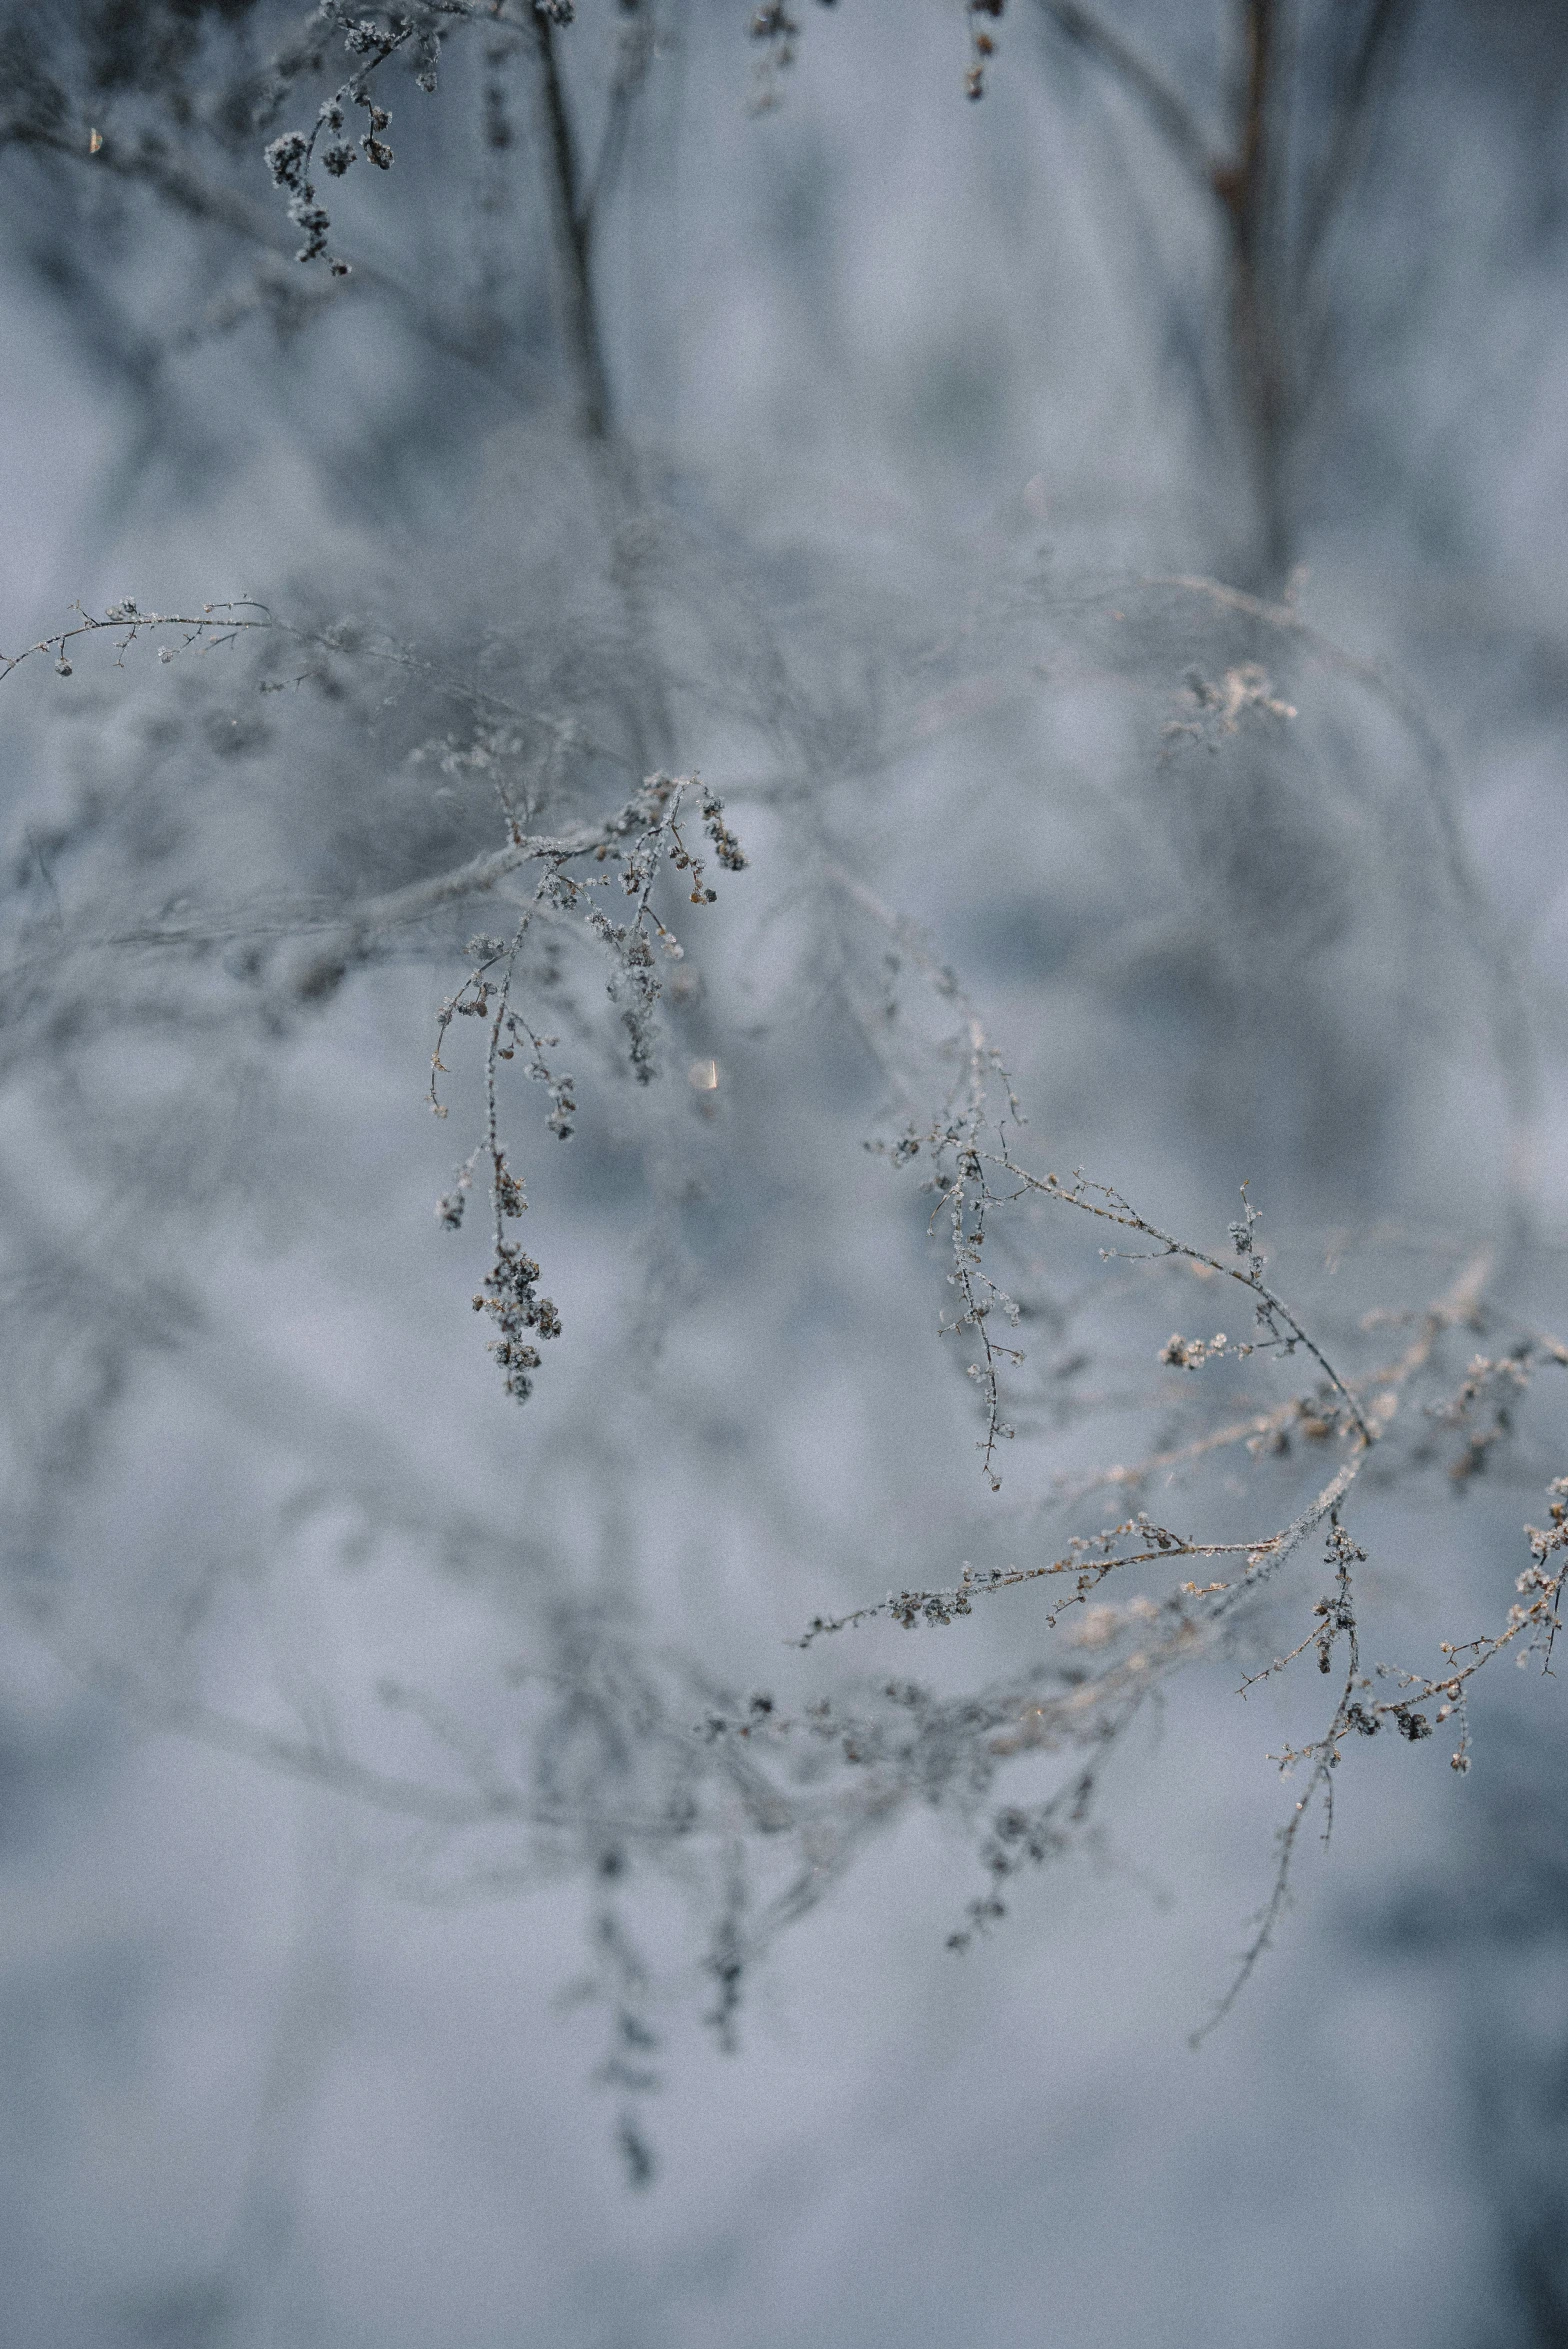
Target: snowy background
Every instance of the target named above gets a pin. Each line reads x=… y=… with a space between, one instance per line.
x=929 y=388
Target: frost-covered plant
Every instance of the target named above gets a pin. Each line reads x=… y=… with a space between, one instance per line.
x=509 y=798
x=755 y=1803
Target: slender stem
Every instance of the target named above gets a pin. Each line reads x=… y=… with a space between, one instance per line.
x=1110 y=1207
x=1245 y=187
x=573 y=211
x=573 y=225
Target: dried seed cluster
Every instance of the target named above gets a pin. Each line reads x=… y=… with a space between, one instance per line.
x=636 y=846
